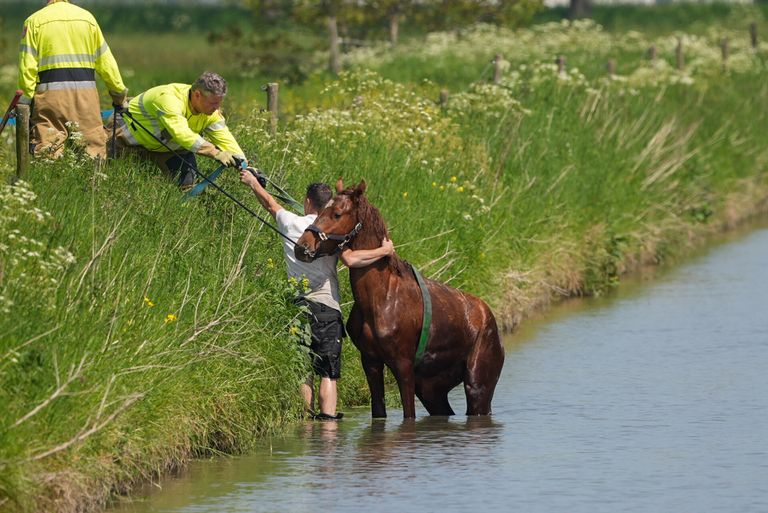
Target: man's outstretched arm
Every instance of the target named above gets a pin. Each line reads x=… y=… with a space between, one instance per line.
x=363 y=257
x=265 y=198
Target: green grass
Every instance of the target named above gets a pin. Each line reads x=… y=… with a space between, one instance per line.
x=165 y=335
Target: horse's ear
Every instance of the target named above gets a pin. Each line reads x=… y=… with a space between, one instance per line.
x=339 y=185
x=360 y=189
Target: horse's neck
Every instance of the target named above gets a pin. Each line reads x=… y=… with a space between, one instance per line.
x=367 y=239
x=371 y=282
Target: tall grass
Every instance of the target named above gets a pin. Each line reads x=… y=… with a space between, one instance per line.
x=138 y=330
x=167 y=317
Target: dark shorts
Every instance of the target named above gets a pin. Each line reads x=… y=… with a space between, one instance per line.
x=327 y=329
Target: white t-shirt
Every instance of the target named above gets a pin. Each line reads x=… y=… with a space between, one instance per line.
x=321 y=273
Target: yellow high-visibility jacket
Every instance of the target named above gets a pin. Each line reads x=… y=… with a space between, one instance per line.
x=61 y=46
x=166 y=112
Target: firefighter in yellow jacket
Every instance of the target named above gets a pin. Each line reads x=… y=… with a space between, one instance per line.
x=186 y=118
x=62 y=48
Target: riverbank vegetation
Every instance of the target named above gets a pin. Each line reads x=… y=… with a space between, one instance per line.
x=139 y=330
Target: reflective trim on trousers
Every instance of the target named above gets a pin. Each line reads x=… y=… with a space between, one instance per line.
x=52 y=86
x=125 y=132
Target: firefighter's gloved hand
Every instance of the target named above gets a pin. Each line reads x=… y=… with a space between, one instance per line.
x=119 y=100
x=226 y=158
x=120 y=107
x=241 y=163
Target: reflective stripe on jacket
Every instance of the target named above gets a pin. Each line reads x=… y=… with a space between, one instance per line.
x=165 y=111
x=62 y=45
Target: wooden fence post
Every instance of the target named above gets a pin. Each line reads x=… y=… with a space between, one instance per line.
x=443 y=98
x=497 y=68
x=271 y=89
x=560 y=65
x=679 y=54
x=22 y=140
x=333 y=33
x=652 y=55
x=724 y=51
x=753 y=34
x=610 y=67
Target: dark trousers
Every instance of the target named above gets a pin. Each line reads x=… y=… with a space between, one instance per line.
x=184 y=167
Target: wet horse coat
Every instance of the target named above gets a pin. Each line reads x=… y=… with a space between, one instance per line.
x=386 y=318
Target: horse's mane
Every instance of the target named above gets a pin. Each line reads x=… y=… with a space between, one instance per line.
x=374 y=230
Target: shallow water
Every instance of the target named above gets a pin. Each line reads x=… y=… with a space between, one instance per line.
x=655 y=399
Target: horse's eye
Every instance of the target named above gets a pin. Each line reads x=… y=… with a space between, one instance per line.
x=336 y=215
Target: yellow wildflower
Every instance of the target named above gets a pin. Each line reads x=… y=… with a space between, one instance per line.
x=270 y=263
x=442 y=187
x=460 y=188
x=405 y=194
x=148 y=302
x=305 y=283
x=453 y=179
x=434 y=184
x=293 y=330
x=170 y=318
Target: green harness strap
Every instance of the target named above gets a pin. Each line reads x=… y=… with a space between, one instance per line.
x=426 y=319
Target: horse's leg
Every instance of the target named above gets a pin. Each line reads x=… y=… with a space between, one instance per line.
x=483 y=370
x=433 y=396
x=374 y=374
x=406 y=382
x=361 y=335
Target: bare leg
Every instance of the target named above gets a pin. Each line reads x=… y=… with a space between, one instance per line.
x=308 y=392
x=327 y=396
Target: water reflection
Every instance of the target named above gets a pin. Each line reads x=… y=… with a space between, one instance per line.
x=430 y=440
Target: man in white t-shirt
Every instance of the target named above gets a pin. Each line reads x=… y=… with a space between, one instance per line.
x=323 y=299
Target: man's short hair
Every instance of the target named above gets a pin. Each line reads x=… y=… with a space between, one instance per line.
x=210 y=83
x=319 y=195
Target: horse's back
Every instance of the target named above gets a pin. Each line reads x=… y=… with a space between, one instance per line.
x=460 y=312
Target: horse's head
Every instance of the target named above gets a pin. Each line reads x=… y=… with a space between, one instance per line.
x=334 y=227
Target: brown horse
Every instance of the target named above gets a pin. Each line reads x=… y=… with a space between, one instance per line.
x=386 y=318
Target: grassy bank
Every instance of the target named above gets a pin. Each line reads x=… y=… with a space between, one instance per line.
x=139 y=330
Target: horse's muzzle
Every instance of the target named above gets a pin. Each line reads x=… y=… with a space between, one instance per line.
x=303 y=253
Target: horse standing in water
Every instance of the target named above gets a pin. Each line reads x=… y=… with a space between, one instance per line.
x=386 y=319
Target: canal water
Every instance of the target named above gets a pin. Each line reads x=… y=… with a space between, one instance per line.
x=652 y=400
